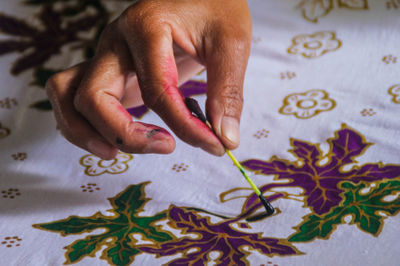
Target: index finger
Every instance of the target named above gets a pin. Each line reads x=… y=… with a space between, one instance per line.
x=98 y=100
x=158 y=79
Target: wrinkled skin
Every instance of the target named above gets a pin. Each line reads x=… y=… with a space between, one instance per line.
x=142 y=57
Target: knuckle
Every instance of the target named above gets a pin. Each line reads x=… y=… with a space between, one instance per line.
x=78 y=102
x=87 y=100
x=53 y=83
x=82 y=101
x=109 y=39
x=152 y=99
x=143 y=16
x=240 y=43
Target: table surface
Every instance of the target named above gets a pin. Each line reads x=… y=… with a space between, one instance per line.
x=319 y=137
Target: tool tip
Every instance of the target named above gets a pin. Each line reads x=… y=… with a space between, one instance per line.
x=268 y=207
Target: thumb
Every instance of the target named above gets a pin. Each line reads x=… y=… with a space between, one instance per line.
x=226 y=66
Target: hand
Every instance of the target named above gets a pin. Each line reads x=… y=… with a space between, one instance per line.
x=143 y=56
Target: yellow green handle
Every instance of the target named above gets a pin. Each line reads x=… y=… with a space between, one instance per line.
x=240 y=167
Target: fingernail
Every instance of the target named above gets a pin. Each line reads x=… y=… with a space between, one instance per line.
x=158 y=146
x=99 y=149
x=214 y=150
x=230 y=129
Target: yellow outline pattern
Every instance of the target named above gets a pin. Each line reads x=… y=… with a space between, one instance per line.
x=314 y=45
x=115 y=215
x=191 y=224
x=395 y=92
x=328 y=157
x=94 y=166
x=312 y=10
x=319 y=98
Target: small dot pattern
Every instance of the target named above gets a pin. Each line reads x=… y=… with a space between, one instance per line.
x=20 y=156
x=11 y=241
x=393 y=4
x=368 y=112
x=8 y=103
x=263 y=133
x=389 y=59
x=11 y=193
x=180 y=167
x=288 y=75
x=90 y=187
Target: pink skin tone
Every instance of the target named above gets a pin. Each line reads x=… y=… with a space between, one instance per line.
x=124 y=111
x=144 y=128
x=171 y=88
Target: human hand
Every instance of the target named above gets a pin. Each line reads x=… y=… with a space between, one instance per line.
x=143 y=56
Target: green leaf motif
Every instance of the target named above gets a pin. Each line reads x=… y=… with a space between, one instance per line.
x=118 y=237
x=365 y=209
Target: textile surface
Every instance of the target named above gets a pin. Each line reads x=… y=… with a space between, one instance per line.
x=319 y=136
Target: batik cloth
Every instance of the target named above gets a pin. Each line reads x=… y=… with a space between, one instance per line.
x=319 y=136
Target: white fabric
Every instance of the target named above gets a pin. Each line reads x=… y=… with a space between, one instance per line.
x=354 y=73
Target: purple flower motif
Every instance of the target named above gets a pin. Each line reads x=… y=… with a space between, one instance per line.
x=321 y=181
x=188 y=89
x=220 y=237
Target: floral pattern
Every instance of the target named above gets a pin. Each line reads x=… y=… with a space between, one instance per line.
x=120 y=228
x=94 y=166
x=60 y=26
x=333 y=186
x=312 y=10
x=395 y=92
x=327 y=190
x=314 y=45
x=221 y=238
x=308 y=104
x=122 y=248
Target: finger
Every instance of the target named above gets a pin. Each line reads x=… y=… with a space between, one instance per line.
x=98 y=100
x=226 y=60
x=187 y=68
x=158 y=80
x=61 y=89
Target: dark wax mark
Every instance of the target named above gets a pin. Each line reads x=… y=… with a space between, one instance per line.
x=257 y=217
x=268 y=207
x=194 y=107
x=119 y=141
x=152 y=132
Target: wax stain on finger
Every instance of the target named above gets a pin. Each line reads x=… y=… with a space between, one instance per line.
x=119 y=141
x=153 y=132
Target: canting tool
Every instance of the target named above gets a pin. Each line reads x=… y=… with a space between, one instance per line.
x=194 y=107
